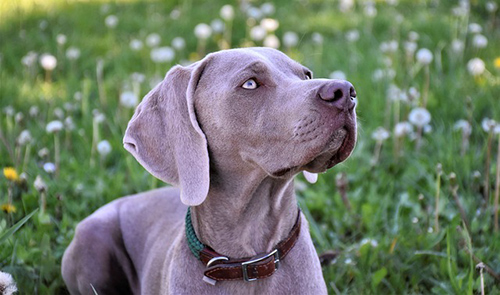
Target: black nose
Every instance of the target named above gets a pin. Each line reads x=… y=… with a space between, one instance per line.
x=340 y=93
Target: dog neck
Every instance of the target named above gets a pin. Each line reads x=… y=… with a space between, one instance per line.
x=245 y=216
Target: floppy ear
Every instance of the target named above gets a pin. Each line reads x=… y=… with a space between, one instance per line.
x=164 y=135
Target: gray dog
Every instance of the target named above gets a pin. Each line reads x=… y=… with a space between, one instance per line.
x=230 y=131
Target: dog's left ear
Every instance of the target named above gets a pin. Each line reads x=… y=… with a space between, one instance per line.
x=165 y=137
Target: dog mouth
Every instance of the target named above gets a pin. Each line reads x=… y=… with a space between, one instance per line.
x=337 y=149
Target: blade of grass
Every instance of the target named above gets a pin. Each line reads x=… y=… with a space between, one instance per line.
x=15 y=227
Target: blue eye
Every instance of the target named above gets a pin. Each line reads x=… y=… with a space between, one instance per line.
x=250 y=84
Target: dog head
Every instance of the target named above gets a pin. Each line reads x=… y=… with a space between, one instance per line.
x=251 y=108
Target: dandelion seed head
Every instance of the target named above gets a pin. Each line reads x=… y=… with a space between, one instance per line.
x=162 y=54
x=111 y=21
x=34 y=110
x=269 y=24
x=464 y=126
x=352 y=36
x=403 y=128
x=414 y=220
x=339 y=75
x=479 y=41
x=475 y=28
x=19 y=117
x=419 y=117
x=317 y=38
x=267 y=8
x=272 y=41
x=175 y=14
x=138 y=77
x=290 y=39
x=178 y=43
x=457 y=45
x=54 y=126
x=69 y=124
x=491 y=6
x=7 y=283
x=346 y=5
x=153 y=40
x=488 y=125
x=254 y=12
x=78 y=96
x=202 y=31
x=44 y=152
x=257 y=33
x=410 y=47
x=48 y=62
x=380 y=134
x=61 y=39
x=103 y=148
x=49 y=167
x=370 y=10
x=59 y=113
x=227 y=12
x=476 y=66
x=128 y=99
x=24 y=137
x=98 y=116
x=218 y=26
x=136 y=44
x=424 y=56
x=72 y=53
x=39 y=184
x=413 y=36
x=29 y=59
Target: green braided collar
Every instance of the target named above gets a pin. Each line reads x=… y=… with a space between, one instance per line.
x=194 y=244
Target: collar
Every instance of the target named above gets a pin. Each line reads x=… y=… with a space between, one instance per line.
x=223 y=268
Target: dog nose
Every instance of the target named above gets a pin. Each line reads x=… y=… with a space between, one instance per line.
x=340 y=93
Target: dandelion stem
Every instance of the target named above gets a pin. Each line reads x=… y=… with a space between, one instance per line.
x=376 y=153
x=57 y=151
x=95 y=139
x=497 y=187
x=425 y=93
x=486 y=191
x=418 y=143
x=100 y=82
x=454 y=193
x=43 y=200
x=26 y=156
x=438 y=190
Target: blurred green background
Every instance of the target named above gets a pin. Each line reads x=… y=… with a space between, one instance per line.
x=388 y=220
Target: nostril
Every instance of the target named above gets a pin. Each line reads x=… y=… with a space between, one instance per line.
x=352 y=93
x=338 y=94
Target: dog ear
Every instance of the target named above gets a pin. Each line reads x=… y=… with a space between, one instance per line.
x=165 y=137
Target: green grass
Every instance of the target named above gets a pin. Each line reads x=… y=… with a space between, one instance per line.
x=386 y=243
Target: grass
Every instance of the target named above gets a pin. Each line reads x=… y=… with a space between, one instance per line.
x=386 y=242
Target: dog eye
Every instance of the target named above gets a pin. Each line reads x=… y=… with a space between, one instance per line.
x=250 y=84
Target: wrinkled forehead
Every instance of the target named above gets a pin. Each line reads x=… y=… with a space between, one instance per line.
x=229 y=62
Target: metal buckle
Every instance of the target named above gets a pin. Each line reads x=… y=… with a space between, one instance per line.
x=216 y=259
x=244 y=265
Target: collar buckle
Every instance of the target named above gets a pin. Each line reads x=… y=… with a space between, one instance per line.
x=244 y=265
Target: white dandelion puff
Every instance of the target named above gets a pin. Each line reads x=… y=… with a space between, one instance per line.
x=153 y=40
x=54 y=126
x=424 y=56
x=136 y=44
x=290 y=39
x=272 y=41
x=162 y=54
x=111 y=21
x=48 y=62
x=202 y=31
x=419 y=117
x=128 y=99
x=104 y=148
x=476 y=66
x=380 y=134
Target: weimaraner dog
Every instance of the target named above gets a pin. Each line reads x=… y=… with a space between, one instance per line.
x=230 y=131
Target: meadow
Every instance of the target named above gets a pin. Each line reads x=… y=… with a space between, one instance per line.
x=414 y=210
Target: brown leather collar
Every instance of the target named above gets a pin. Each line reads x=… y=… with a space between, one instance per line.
x=222 y=268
